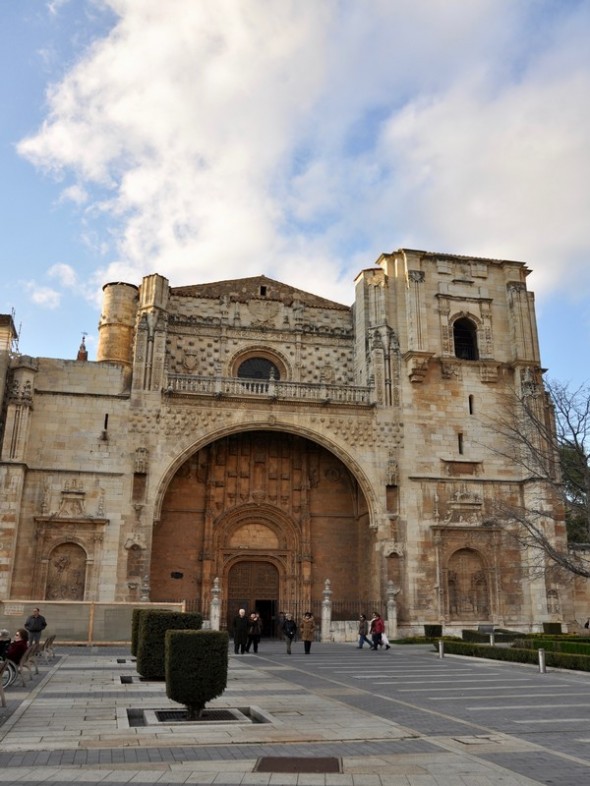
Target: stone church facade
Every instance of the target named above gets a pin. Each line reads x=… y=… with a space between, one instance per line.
x=257 y=434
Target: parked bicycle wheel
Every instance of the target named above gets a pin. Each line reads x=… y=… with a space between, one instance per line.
x=9 y=674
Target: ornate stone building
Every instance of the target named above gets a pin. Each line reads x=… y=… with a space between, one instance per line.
x=248 y=431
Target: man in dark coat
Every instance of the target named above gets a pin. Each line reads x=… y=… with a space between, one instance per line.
x=35 y=625
x=240 y=632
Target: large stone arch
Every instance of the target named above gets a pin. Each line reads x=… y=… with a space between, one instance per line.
x=343 y=453
x=262 y=495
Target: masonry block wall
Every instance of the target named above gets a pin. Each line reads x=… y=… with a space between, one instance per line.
x=368 y=455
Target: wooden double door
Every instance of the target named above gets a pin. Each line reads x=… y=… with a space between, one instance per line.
x=254 y=585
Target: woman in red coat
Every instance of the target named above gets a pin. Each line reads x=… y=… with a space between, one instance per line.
x=18 y=646
x=377 y=629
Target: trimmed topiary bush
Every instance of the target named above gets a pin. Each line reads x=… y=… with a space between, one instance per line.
x=135 y=629
x=153 y=624
x=196 y=667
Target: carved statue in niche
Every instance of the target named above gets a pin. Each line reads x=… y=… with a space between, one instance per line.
x=66 y=574
x=134 y=561
x=553 y=602
x=141 y=461
x=392 y=471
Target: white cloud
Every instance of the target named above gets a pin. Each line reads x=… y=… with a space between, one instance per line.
x=65 y=274
x=300 y=140
x=75 y=193
x=43 y=296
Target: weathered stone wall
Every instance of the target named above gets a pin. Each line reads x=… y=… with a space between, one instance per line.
x=162 y=489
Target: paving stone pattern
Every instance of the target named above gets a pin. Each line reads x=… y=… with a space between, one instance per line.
x=402 y=717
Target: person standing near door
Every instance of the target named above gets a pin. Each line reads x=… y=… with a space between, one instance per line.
x=254 y=632
x=290 y=631
x=240 y=632
x=307 y=631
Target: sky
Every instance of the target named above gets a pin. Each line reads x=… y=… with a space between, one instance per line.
x=214 y=139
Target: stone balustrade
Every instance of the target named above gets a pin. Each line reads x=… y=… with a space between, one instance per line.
x=233 y=387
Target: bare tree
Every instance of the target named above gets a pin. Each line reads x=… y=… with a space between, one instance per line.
x=545 y=434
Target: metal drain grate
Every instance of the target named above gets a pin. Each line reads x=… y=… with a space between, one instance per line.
x=317 y=764
x=169 y=716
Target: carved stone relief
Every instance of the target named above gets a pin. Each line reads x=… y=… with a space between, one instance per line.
x=66 y=574
x=464 y=507
x=468 y=593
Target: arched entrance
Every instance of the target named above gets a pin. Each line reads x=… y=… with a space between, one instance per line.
x=265 y=498
x=254 y=585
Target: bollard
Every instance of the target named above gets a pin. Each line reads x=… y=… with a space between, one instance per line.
x=441 y=648
x=492 y=639
x=542 y=667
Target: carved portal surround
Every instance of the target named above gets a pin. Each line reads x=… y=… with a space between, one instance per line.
x=259 y=532
x=466 y=555
x=68 y=543
x=469 y=575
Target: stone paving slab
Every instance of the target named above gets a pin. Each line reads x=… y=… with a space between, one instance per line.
x=71 y=726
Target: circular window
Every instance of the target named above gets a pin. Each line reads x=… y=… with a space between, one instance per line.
x=258 y=368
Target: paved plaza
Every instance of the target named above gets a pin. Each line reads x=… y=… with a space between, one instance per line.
x=403 y=716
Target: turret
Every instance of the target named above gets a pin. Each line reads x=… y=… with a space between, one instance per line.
x=116 y=328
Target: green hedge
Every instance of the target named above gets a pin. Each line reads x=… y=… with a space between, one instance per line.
x=152 y=627
x=423 y=640
x=559 y=660
x=556 y=645
x=196 y=667
x=500 y=635
x=135 y=629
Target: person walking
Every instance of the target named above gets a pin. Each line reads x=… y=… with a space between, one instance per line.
x=240 y=632
x=377 y=629
x=254 y=632
x=290 y=630
x=363 y=630
x=307 y=631
x=35 y=625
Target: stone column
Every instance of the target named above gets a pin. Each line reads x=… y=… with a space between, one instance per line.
x=392 y=591
x=215 y=606
x=326 y=611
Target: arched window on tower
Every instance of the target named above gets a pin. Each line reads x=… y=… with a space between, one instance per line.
x=465 y=338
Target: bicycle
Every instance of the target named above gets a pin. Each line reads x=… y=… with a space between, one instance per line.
x=9 y=673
